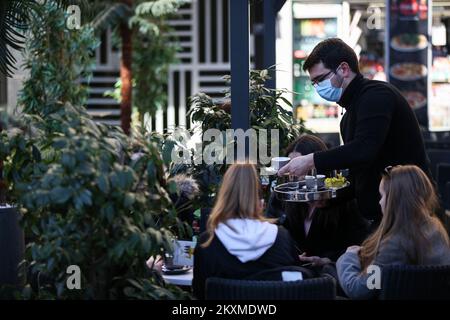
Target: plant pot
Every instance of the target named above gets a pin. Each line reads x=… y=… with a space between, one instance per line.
x=12 y=246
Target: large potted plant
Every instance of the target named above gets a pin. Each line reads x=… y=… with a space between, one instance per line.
x=84 y=200
x=56 y=57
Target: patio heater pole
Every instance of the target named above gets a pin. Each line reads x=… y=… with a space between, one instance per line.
x=270 y=17
x=271 y=8
x=239 y=53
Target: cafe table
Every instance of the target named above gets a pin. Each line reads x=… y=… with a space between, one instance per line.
x=184 y=279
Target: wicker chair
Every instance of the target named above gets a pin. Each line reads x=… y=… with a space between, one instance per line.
x=406 y=282
x=310 y=289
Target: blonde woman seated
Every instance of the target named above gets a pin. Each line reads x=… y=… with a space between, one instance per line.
x=239 y=241
x=409 y=232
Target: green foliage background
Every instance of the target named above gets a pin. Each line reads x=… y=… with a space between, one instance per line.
x=153 y=51
x=268 y=110
x=84 y=197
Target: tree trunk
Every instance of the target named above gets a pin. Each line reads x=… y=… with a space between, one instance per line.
x=125 y=74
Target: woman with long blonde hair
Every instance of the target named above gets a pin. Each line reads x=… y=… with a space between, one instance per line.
x=239 y=241
x=409 y=232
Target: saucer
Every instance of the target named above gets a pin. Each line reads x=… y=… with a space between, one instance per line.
x=175 y=270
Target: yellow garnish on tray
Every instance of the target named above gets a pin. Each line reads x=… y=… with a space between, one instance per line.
x=335 y=182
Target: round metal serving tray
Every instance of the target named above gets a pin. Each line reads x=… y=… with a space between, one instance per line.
x=297 y=192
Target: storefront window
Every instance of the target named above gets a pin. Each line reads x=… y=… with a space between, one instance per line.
x=410 y=50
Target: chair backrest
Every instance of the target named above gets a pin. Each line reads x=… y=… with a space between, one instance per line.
x=437 y=156
x=230 y=289
x=442 y=178
x=447 y=196
x=443 y=174
x=406 y=282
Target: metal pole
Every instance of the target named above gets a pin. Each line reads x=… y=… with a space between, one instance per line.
x=239 y=53
x=270 y=17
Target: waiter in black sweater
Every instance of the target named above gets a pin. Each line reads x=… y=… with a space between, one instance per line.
x=379 y=129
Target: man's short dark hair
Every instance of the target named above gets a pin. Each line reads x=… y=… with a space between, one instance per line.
x=332 y=52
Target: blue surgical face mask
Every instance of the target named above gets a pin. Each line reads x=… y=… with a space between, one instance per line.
x=326 y=90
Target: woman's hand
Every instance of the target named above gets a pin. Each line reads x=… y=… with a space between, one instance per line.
x=155 y=263
x=353 y=249
x=314 y=260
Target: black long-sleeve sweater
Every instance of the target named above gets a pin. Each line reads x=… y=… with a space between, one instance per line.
x=379 y=129
x=333 y=229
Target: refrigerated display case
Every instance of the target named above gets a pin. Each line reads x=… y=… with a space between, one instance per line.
x=439 y=109
x=408 y=53
x=313 y=23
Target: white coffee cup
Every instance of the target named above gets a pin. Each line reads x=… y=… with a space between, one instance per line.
x=310 y=182
x=279 y=162
x=315 y=182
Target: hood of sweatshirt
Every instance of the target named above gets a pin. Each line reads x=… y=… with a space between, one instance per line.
x=247 y=239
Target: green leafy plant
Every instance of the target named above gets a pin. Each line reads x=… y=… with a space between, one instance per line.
x=14 y=20
x=84 y=196
x=268 y=110
x=153 y=51
x=57 y=57
x=146 y=53
x=87 y=202
x=153 y=54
